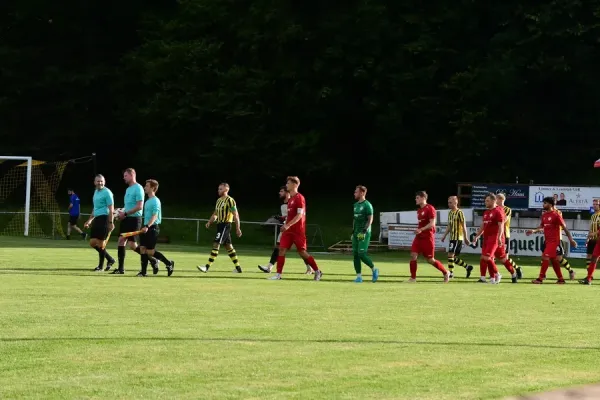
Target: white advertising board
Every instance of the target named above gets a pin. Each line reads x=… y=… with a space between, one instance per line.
x=575 y=198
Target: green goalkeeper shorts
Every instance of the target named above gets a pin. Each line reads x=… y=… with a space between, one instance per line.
x=361 y=246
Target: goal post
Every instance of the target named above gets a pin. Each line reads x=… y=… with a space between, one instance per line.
x=29 y=161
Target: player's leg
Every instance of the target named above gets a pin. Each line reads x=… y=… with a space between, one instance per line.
x=563 y=262
x=591 y=244
x=69 y=228
x=356 y=259
x=451 y=246
x=284 y=245
x=429 y=254
x=458 y=261
x=510 y=260
x=269 y=267
x=543 y=269
x=233 y=256
x=143 y=258
x=150 y=244
x=215 y=248
x=301 y=245
x=505 y=260
x=73 y=223
x=415 y=250
x=363 y=253
x=99 y=234
x=486 y=262
x=592 y=267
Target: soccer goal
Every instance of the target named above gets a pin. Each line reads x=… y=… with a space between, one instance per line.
x=28 y=197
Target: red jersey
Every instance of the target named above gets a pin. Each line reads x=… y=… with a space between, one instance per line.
x=426 y=214
x=294 y=204
x=552 y=222
x=491 y=219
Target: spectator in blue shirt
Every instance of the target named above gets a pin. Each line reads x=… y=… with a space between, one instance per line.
x=74 y=212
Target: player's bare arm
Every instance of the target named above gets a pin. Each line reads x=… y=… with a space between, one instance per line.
x=478 y=234
x=568 y=233
x=236 y=219
x=465 y=233
x=431 y=224
x=294 y=220
x=89 y=221
x=536 y=230
x=150 y=223
x=500 y=233
x=111 y=210
x=446 y=233
x=138 y=207
x=212 y=219
x=70 y=206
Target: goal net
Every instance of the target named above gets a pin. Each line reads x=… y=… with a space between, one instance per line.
x=28 y=197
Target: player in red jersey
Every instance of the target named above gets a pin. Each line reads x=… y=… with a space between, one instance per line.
x=492 y=230
x=294 y=230
x=551 y=224
x=424 y=241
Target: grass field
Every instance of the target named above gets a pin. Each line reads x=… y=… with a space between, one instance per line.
x=66 y=332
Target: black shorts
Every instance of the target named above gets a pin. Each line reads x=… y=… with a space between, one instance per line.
x=590 y=247
x=455 y=246
x=130 y=224
x=223 y=233
x=148 y=239
x=73 y=219
x=99 y=229
x=560 y=250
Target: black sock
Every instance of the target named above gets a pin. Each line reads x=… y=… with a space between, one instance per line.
x=137 y=250
x=121 y=257
x=108 y=257
x=159 y=256
x=144 y=263
x=100 y=256
x=274 y=256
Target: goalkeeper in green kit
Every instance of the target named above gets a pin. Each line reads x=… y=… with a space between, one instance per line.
x=361 y=233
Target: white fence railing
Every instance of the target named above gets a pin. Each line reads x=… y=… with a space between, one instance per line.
x=174 y=227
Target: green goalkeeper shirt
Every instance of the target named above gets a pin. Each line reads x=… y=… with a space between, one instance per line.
x=362 y=211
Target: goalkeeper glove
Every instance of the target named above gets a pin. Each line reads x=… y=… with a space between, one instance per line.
x=361 y=236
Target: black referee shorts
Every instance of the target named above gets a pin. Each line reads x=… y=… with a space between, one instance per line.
x=149 y=239
x=223 y=233
x=130 y=224
x=99 y=228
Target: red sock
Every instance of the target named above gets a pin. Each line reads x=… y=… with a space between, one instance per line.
x=556 y=267
x=482 y=267
x=545 y=266
x=313 y=264
x=280 y=263
x=508 y=266
x=438 y=264
x=591 y=270
x=413 y=269
x=492 y=268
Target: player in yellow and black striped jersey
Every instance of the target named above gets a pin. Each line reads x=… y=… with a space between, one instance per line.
x=225 y=213
x=500 y=199
x=457 y=229
x=593 y=234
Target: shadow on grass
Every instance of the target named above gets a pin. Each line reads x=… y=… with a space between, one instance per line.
x=252 y=276
x=324 y=341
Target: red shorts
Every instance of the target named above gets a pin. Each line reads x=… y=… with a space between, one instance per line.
x=551 y=249
x=292 y=238
x=424 y=246
x=492 y=249
x=596 y=252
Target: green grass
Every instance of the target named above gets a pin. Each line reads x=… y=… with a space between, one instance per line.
x=66 y=332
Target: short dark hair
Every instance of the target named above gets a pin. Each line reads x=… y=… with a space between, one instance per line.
x=224 y=184
x=491 y=196
x=362 y=188
x=70 y=190
x=284 y=188
x=130 y=171
x=549 y=200
x=422 y=193
x=293 y=179
x=153 y=184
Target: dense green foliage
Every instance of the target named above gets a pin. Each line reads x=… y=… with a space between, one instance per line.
x=311 y=88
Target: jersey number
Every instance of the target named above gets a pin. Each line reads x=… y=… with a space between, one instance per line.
x=218 y=235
